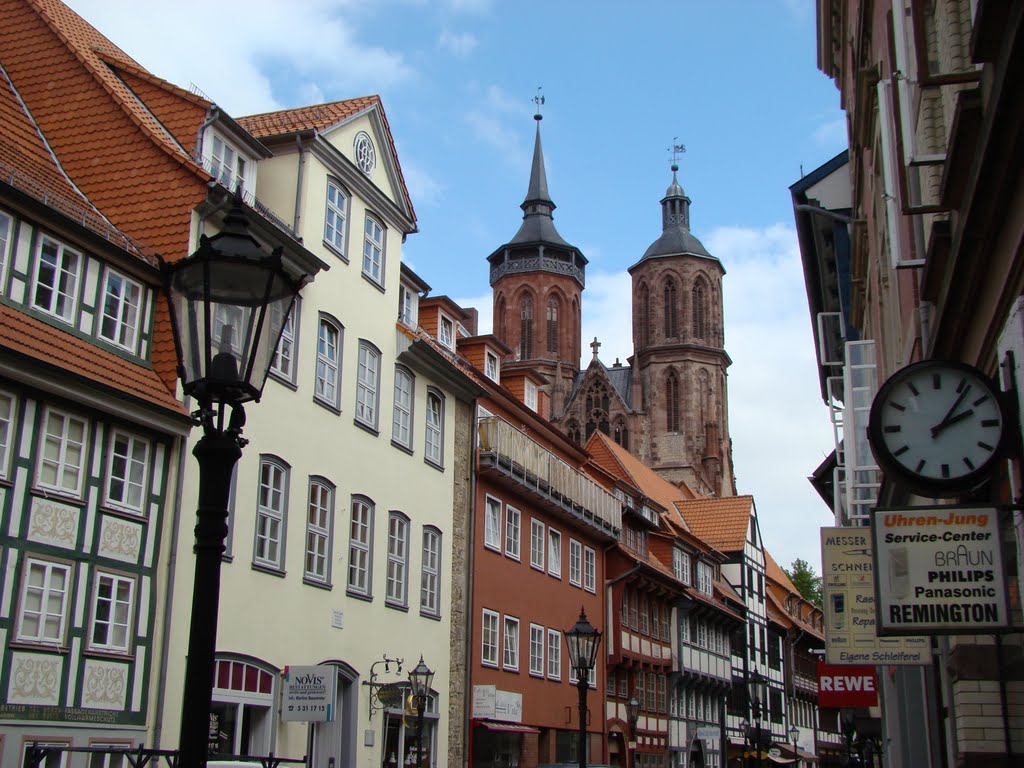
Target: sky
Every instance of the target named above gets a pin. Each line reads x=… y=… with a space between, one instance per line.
x=733 y=81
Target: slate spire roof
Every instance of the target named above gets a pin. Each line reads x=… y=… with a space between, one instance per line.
x=676 y=238
x=538 y=223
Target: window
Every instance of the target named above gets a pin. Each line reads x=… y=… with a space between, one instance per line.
x=684 y=630
x=554 y=552
x=644 y=627
x=530 y=396
x=489 y=639
x=575 y=563
x=360 y=547
x=336 y=217
x=434 y=439
x=283 y=364
x=405 y=304
x=681 y=565
x=367 y=384
x=319 y=523
x=589 y=569
x=401 y=426
x=7 y=403
x=704 y=577
x=510 y=657
x=536 y=650
x=665 y=623
x=366 y=157
x=127 y=471
x=271 y=511
x=43 y=613
x=699 y=310
x=109 y=760
x=491 y=366
x=552 y=326
x=671 y=317
x=55 y=284
x=122 y=304
x=537 y=544
x=398 y=559
x=53 y=759
x=492 y=523
x=227 y=164
x=447 y=332
x=526 y=329
x=328 y=355
x=702 y=634
x=111 y=613
x=63 y=452
x=373 y=250
x=430 y=580
x=554 y=654
x=512 y=525
x=5 y=239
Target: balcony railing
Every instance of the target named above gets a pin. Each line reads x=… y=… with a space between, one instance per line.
x=508 y=449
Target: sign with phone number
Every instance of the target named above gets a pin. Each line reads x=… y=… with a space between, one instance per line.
x=308 y=693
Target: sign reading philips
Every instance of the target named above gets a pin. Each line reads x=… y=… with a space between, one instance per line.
x=940 y=570
x=308 y=694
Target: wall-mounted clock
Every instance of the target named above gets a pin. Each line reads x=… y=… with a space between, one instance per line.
x=938 y=427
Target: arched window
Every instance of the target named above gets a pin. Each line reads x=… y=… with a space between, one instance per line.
x=499 y=320
x=699 y=309
x=620 y=434
x=671 y=315
x=552 y=325
x=644 y=336
x=672 y=402
x=526 y=328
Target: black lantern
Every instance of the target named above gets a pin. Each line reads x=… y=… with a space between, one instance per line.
x=420 y=678
x=583 y=640
x=794 y=734
x=229 y=301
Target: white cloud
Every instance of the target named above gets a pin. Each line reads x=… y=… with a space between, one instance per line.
x=424 y=189
x=494 y=131
x=484 y=305
x=458 y=44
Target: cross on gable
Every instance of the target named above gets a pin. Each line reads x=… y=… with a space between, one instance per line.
x=595 y=345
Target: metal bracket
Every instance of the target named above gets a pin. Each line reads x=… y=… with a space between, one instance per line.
x=375 y=685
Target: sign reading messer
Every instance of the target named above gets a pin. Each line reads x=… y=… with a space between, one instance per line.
x=939 y=570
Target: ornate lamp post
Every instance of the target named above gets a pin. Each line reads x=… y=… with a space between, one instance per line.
x=794 y=734
x=420 y=679
x=228 y=304
x=632 y=714
x=752 y=733
x=583 y=640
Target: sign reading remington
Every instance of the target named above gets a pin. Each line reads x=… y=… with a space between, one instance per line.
x=939 y=570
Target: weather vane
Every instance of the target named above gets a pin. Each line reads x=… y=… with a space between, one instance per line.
x=677 y=150
x=539 y=101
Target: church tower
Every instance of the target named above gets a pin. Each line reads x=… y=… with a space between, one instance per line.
x=679 y=361
x=537 y=278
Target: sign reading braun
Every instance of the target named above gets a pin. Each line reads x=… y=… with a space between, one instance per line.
x=939 y=570
x=308 y=694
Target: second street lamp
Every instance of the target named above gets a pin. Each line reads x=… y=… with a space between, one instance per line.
x=794 y=734
x=420 y=679
x=583 y=640
x=633 y=715
x=228 y=303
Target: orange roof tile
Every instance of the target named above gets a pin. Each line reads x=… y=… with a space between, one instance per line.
x=320 y=118
x=774 y=572
x=722 y=522
x=22 y=334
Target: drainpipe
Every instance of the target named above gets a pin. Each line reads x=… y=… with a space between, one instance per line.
x=211 y=118
x=467 y=758
x=298 y=184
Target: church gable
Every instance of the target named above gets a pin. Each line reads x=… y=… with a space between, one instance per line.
x=597 y=405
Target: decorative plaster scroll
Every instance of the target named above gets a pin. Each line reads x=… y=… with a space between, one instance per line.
x=35 y=679
x=53 y=523
x=105 y=685
x=120 y=539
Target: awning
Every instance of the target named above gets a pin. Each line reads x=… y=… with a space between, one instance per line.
x=507 y=727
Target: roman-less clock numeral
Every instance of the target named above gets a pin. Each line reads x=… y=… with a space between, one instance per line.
x=912 y=388
x=990 y=422
x=969 y=463
x=936 y=381
x=961 y=385
x=945 y=470
x=898 y=407
x=901 y=451
x=920 y=466
x=893 y=428
x=980 y=400
x=986 y=446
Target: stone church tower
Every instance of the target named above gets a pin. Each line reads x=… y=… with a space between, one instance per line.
x=537 y=278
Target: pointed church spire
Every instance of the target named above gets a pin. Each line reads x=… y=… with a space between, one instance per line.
x=538 y=190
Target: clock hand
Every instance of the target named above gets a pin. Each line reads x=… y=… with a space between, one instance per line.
x=956 y=404
x=948 y=422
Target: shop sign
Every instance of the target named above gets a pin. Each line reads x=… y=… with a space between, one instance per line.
x=940 y=570
x=308 y=694
x=847 y=685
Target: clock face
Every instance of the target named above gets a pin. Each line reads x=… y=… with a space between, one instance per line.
x=938 y=426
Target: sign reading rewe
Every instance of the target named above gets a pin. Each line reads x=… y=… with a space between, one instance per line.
x=847 y=685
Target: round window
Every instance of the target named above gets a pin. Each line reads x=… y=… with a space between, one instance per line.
x=366 y=157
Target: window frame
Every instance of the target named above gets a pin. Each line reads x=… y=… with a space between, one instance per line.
x=554 y=549
x=374 y=249
x=6 y=246
x=367 y=410
x=360 y=549
x=403 y=409
x=537 y=667
x=335 y=234
x=237 y=177
x=681 y=565
x=489 y=652
x=130 y=460
x=705 y=578
x=94 y=620
x=397 y=575
x=492 y=522
x=290 y=339
x=49 y=566
x=530 y=395
x=538 y=554
x=513 y=532
x=62 y=466
x=446 y=331
x=60 y=269
x=326 y=365
x=7 y=428
x=575 y=574
x=510 y=643
x=433 y=439
x=319 y=531
x=554 y=654
x=590 y=569
x=431 y=571
x=492 y=368
x=120 y=323
x=264 y=540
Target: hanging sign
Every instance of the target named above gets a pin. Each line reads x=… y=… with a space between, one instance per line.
x=308 y=694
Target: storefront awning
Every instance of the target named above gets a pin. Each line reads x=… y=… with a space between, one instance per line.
x=507 y=727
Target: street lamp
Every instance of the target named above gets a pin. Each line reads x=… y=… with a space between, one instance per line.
x=794 y=734
x=228 y=303
x=420 y=679
x=583 y=640
x=752 y=734
x=632 y=714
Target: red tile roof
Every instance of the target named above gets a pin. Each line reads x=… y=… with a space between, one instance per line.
x=774 y=572
x=722 y=522
x=25 y=335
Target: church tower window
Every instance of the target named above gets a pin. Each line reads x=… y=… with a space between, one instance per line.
x=620 y=434
x=645 y=317
x=552 y=325
x=699 y=309
x=672 y=402
x=499 y=320
x=526 y=329
x=671 y=316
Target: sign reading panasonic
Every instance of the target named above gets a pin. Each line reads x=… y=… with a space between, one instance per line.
x=939 y=570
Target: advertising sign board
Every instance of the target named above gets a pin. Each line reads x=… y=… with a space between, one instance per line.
x=847 y=685
x=940 y=570
x=308 y=693
x=848 y=591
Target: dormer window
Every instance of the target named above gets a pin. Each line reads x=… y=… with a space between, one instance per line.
x=491 y=366
x=530 y=396
x=228 y=165
x=446 y=332
x=405 y=305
